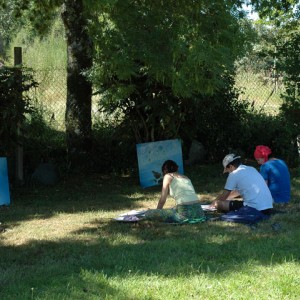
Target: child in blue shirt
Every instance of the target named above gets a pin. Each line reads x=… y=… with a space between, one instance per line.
x=276 y=174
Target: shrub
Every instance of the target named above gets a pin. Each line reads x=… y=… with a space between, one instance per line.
x=42 y=143
x=114 y=147
x=220 y=120
x=273 y=131
x=14 y=104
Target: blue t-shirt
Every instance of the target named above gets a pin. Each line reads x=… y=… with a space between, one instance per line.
x=276 y=172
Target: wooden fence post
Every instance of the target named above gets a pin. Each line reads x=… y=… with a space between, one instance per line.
x=19 y=150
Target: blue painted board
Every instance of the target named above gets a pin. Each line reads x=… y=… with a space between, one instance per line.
x=152 y=155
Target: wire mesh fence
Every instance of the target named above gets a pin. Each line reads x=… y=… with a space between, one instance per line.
x=50 y=95
x=264 y=92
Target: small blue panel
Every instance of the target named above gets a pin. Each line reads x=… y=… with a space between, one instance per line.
x=4 y=185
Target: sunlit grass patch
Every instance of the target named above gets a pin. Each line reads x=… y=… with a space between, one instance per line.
x=61 y=242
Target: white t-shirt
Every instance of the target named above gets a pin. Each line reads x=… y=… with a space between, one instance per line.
x=251 y=186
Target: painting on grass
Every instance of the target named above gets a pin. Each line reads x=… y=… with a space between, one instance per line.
x=152 y=155
x=4 y=186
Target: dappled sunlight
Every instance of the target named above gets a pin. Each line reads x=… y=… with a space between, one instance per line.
x=207 y=197
x=297 y=180
x=56 y=227
x=219 y=239
x=69 y=233
x=107 y=254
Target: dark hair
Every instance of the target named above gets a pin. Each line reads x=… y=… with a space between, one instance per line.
x=236 y=163
x=169 y=166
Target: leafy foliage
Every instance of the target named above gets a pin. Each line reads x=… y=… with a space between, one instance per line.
x=186 y=46
x=7 y=26
x=150 y=73
x=277 y=52
x=289 y=58
x=40 y=14
x=163 y=70
x=277 y=11
x=220 y=121
x=42 y=143
x=274 y=131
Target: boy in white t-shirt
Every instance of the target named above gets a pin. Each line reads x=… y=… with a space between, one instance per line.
x=246 y=182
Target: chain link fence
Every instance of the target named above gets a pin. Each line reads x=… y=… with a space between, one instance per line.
x=50 y=95
x=263 y=92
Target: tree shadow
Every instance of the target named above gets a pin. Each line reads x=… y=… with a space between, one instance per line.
x=215 y=246
x=87 y=267
x=110 y=249
x=76 y=194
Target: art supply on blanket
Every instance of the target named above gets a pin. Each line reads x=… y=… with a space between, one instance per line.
x=131 y=216
x=134 y=213
x=208 y=207
x=127 y=219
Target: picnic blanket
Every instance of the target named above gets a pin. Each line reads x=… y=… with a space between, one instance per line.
x=245 y=215
x=137 y=215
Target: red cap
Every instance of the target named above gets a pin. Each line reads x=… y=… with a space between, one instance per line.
x=262 y=152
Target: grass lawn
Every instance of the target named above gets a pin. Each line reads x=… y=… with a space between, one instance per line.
x=60 y=242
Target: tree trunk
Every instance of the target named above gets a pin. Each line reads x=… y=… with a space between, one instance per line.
x=79 y=90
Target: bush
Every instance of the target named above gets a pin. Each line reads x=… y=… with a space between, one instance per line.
x=114 y=148
x=42 y=143
x=273 y=131
x=219 y=121
x=14 y=104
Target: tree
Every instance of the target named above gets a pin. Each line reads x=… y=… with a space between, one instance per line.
x=79 y=90
x=277 y=11
x=8 y=26
x=41 y=13
x=283 y=17
x=154 y=56
x=289 y=64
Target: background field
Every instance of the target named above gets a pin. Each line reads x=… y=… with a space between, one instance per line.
x=47 y=58
x=50 y=95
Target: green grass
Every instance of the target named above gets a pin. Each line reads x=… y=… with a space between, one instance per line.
x=48 y=51
x=61 y=243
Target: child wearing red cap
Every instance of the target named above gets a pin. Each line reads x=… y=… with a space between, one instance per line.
x=276 y=174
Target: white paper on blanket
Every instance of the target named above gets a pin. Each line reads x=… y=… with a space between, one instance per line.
x=131 y=216
x=208 y=207
x=127 y=219
x=133 y=213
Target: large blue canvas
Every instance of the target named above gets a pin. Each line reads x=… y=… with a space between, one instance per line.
x=152 y=155
x=4 y=186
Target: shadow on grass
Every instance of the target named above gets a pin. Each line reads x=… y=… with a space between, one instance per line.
x=85 y=264
x=92 y=193
x=75 y=195
x=116 y=250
